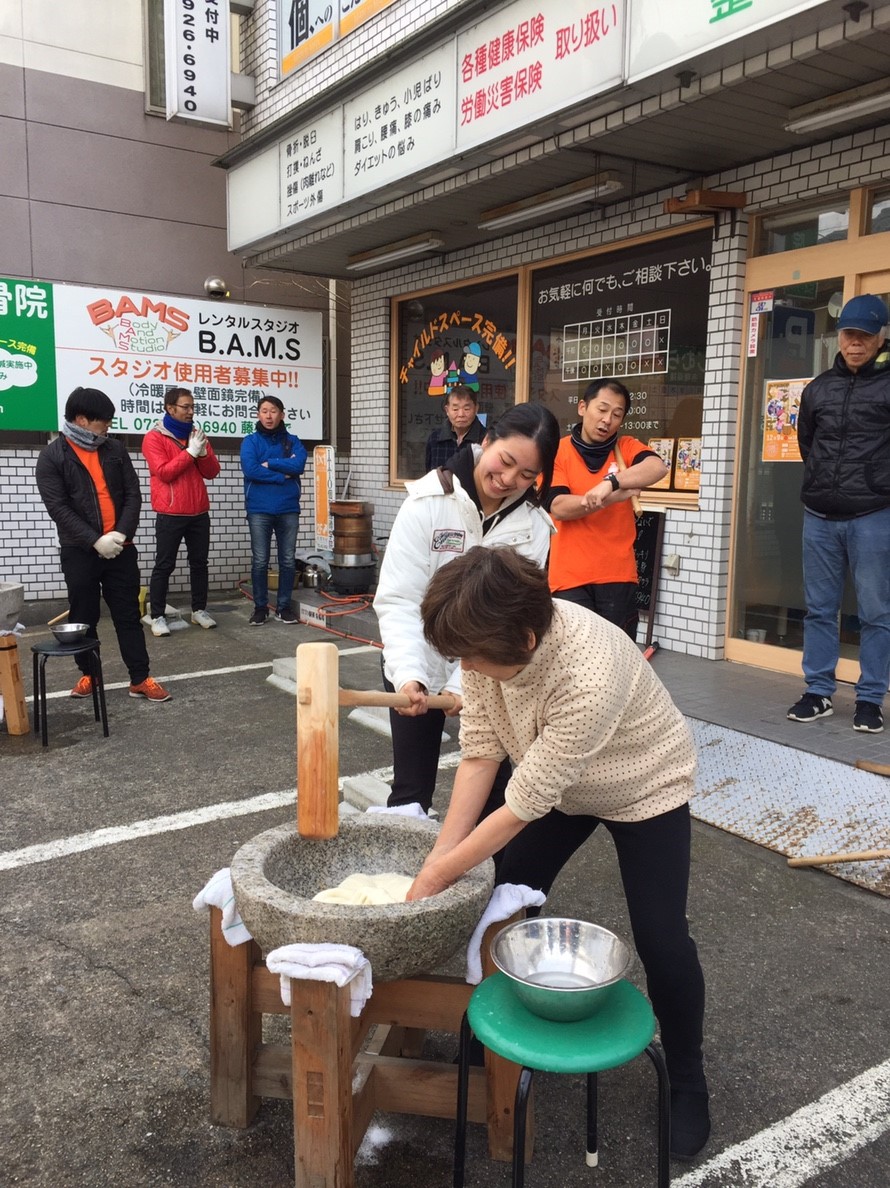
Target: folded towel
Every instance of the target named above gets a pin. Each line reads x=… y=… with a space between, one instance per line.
x=219 y=893
x=506 y=900
x=340 y=964
x=400 y=810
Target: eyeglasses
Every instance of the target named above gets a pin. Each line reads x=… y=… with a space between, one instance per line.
x=185 y=407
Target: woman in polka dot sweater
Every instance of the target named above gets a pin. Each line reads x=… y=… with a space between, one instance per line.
x=595 y=739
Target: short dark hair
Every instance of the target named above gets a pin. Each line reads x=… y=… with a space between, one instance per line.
x=171 y=396
x=462 y=392
x=89 y=403
x=541 y=426
x=279 y=404
x=613 y=385
x=484 y=604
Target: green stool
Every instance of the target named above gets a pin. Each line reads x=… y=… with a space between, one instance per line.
x=620 y=1030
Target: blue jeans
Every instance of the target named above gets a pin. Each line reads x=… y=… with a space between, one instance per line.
x=262 y=525
x=830 y=548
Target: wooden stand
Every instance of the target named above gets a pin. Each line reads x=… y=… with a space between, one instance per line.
x=336 y=1072
x=11 y=688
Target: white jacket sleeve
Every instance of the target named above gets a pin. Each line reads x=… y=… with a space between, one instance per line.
x=404 y=576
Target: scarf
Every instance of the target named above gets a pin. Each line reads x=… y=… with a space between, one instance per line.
x=595 y=455
x=85 y=438
x=180 y=429
x=280 y=433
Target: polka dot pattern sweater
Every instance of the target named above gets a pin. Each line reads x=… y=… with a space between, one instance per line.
x=587 y=724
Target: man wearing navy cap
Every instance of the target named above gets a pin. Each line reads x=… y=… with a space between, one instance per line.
x=843 y=430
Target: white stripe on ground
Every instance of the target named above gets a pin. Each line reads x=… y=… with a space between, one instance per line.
x=813 y=1139
x=209 y=672
x=113 y=835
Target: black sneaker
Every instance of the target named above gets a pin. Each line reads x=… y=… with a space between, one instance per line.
x=286 y=615
x=868 y=717
x=810 y=707
x=258 y=618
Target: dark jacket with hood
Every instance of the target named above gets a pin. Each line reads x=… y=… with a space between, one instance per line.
x=69 y=493
x=843 y=430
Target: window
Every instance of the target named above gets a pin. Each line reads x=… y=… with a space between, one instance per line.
x=804 y=227
x=155 y=81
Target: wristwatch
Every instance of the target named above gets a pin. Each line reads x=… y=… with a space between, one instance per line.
x=613 y=479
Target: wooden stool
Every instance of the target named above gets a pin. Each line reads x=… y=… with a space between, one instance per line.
x=334 y=1075
x=11 y=688
x=42 y=652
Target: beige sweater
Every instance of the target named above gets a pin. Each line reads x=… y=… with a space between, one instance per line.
x=587 y=724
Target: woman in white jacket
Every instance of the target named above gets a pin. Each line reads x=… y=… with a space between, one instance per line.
x=484 y=495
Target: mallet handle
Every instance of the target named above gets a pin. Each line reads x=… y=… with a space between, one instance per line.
x=846 y=856
x=622 y=465
x=443 y=701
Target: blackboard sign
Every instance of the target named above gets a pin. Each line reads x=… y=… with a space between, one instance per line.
x=650 y=536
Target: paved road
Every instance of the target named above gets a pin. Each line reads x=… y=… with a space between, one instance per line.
x=104 y=982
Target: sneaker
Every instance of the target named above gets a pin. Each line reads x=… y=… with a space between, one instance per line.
x=258 y=618
x=286 y=615
x=201 y=619
x=866 y=717
x=159 y=626
x=690 y=1123
x=150 y=690
x=810 y=707
x=83 y=688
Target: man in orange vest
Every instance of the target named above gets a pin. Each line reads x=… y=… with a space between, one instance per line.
x=89 y=487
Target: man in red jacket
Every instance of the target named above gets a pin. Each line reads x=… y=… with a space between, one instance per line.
x=180 y=461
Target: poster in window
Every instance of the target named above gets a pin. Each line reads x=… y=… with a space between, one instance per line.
x=687 y=473
x=664 y=447
x=465 y=336
x=781 y=407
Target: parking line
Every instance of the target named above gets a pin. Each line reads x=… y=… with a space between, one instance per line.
x=115 y=834
x=815 y=1138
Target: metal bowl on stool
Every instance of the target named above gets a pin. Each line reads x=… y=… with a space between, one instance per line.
x=561 y=969
x=69 y=633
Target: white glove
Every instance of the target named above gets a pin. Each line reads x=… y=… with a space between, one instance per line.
x=197 y=445
x=110 y=545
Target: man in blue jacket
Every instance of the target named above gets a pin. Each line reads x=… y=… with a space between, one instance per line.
x=272 y=460
x=843 y=430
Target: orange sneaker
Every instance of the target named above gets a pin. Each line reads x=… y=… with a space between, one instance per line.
x=83 y=688
x=150 y=690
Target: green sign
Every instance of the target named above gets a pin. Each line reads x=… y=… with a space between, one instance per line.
x=27 y=356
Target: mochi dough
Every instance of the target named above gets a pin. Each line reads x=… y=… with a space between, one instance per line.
x=367 y=889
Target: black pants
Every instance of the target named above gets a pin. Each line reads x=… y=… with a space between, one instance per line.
x=615 y=601
x=170 y=532
x=653 y=857
x=416 y=743
x=90 y=577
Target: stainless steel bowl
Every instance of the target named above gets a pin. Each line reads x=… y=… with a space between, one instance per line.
x=561 y=969
x=70 y=632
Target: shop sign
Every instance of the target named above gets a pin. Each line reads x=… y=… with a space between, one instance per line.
x=762 y=302
x=310 y=169
x=531 y=59
x=663 y=35
x=133 y=346
x=400 y=125
x=323 y=463
x=198 y=61
x=310 y=26
x=27 y=358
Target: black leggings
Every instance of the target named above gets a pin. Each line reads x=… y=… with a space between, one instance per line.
x=653 y=857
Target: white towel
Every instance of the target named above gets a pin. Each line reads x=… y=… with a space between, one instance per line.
x=220 y=893
x=506 y=900
x=400 y=810
x=341 y=964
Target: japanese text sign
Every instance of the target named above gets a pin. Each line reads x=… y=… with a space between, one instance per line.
x=27 y=358
x=198 y=61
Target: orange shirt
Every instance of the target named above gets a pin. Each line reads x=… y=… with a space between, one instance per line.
x=90 y=459
x=597 y=548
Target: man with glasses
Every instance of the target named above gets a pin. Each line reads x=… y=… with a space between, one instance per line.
x=180 y=462
x=90 y=489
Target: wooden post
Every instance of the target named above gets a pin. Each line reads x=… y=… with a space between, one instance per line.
x=318 y=743
x=235 y=1028
x=321 y=1031
x=11 y=688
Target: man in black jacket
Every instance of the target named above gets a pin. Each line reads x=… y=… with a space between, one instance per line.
x=843 y=430
x=89 y=487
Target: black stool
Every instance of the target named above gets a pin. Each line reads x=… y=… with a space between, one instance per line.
x=42 y=652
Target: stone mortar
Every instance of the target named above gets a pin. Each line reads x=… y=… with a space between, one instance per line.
x=277 y=872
